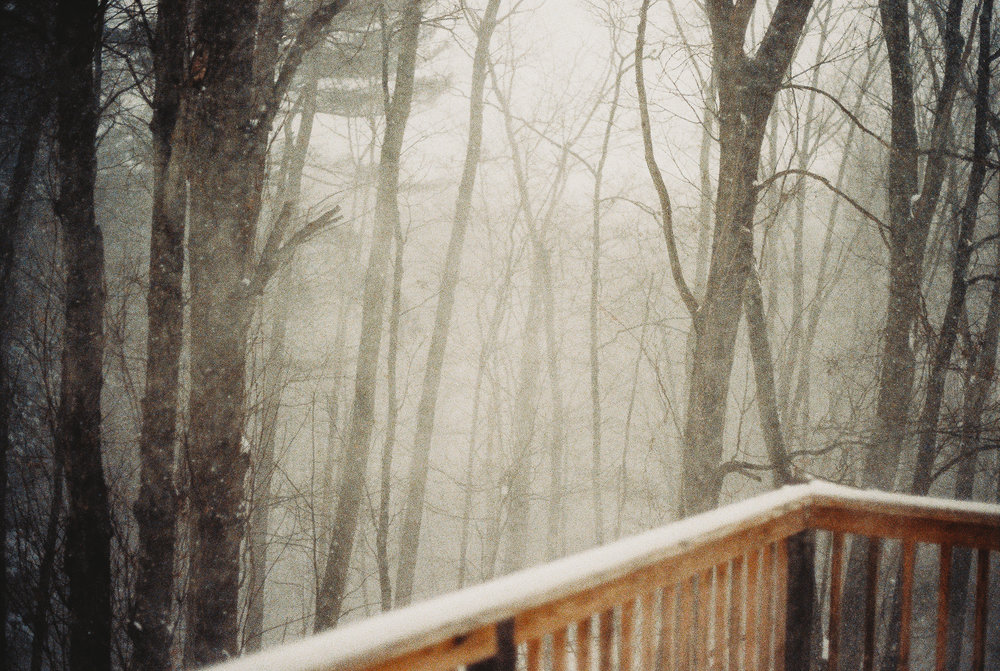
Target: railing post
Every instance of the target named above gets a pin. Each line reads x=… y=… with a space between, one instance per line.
x=505 y=658
x=801 y=595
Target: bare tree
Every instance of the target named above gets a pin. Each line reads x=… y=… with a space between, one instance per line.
x=417 y=479
x=746 y=88
x=330 y=598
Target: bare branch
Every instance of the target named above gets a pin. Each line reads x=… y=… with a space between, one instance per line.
x=276 y=254
x=883 y=227
x=667 y=219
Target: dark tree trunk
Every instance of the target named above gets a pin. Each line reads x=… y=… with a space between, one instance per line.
x=225 y=171
x=88 y=522
x=330 y=598
x=150 y=626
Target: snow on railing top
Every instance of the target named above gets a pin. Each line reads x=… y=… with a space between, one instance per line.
x=400 y=632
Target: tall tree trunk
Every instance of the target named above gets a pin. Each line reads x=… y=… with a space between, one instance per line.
x=594 y=328
x=909 y=216
x=392 y=419
x=330 y=598
x=520 y=466
x=484 y=355
x=88 y=519
x=150 y=626
x=226 y=153
x=968 y=216
x=17 y=191
x=417 y=479
x=746 y=89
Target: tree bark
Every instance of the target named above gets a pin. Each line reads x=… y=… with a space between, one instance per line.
x=330 y=598
x=150 y=626
x=417 y=479
x=88 y=519
x=746 y=89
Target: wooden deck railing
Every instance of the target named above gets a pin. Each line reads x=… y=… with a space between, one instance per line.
x=731 y=589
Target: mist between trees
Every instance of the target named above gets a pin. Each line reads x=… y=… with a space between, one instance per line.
x=314 y=308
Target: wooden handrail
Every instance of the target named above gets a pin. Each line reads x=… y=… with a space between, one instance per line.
x=690 y=592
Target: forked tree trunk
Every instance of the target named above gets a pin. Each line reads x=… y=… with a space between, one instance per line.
x=88 y=520
x=417 y=479
x=746 y=89
x=330 y=598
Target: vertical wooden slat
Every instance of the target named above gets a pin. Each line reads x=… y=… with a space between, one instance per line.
x=750 y=645
x=583 y=638
x=735 y=612
x=871 y=602
x=668 y=615
x=781 y=602
x=559 y=650
x=683 y=648
x=906 y=605
x=944 y=589
x=833 y=632
x=627 y=636
x=534 y=656
x=647 y=645
x=704 y=613
x=605 y=640
x=719 y=644
x=766 y=601
x=982 y=590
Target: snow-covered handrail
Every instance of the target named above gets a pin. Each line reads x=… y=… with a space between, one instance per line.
x=735 y=565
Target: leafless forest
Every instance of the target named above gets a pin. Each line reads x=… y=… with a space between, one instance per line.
x=315 y=308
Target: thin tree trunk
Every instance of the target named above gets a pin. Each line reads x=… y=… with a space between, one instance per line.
x=46 y=570
x=518 y=475
x=88 y=518
x=484 y=354
x=330 y=598
x=595 y=298
x=767 y=402
x=263 y=471
x=417 y=478
x=150 y=626
x=382 y=524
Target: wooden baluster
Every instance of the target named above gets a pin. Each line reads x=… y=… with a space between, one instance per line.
x=766 y=600
x=627 y=636
x=906 y=605
x=749 y=659
x=871 y=602
x=781 y=605
x=605 y=640
x=944 y=589
x=559 y=649
x=982 y=590
x=701 y=626
x=683 y=650
x=719 y=644
x=735 y=612
x=648 y=642
x=534 y=655
x=836 y=572
x=583 y=638
x=668 y=615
